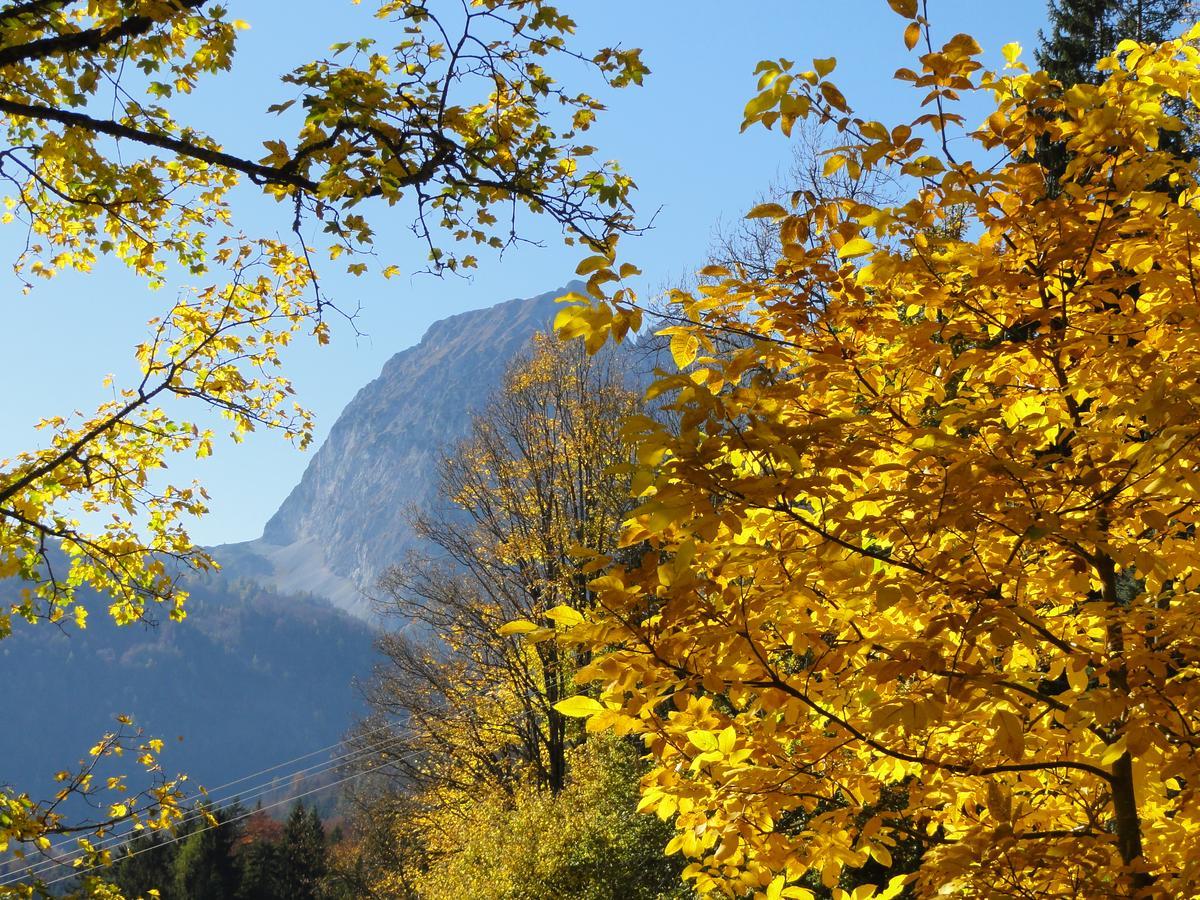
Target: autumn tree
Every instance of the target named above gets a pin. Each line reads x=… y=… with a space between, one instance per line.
x=1082 y=33
x=934 y=526
x=470 y=676
x=535 y=477
x=459 y=113
x=587 y=842
x=752 y=246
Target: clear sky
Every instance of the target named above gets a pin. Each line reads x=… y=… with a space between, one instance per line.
x=677 y=136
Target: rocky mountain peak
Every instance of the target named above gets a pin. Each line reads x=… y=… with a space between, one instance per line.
x=349 y=517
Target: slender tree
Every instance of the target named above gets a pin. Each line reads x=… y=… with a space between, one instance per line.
x=472 y=674
x=535 y=478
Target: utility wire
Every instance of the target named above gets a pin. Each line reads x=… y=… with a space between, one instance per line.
x=246 y=815
x=254 y=792
x=207 y=792
x=118 y=841
x=229 y=800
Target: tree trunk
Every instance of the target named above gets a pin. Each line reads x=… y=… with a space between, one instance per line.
x=1125 y=810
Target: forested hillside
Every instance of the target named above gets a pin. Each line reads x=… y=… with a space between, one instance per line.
x=255 y=679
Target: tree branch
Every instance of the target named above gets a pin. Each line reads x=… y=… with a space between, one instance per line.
x=81 y=41
x=259 y=173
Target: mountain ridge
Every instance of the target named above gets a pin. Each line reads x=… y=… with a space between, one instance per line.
x=348 y=517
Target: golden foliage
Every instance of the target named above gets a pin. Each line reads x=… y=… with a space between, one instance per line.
x=930 y=522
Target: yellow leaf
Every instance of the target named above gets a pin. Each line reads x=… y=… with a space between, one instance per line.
x=684 y=348
x=1114 y=752
x=855 y=247
x=1010 y=734
x=726 y=740
x=830 y=872
x=592 y=264
x=833 y=164
x=519 y=626
x=564 y=615
x=767 y=211
x=578 y=707
x=912 y=34
x=906 y=8
x=833 y=96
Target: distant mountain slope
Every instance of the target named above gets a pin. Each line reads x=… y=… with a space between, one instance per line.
x=250 y=679
x=348 y=518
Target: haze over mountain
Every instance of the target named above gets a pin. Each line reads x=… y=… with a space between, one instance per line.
x=349 y=517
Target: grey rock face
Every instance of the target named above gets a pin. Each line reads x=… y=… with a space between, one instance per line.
x=349 y=517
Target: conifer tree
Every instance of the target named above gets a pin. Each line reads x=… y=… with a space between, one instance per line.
x=302 y=854
x=204 y=867
x=259 y=872
x=1082 y=32
x=147 y=865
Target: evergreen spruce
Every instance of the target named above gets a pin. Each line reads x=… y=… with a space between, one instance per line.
x=260 y=869
x=148 y=864
x=302 y=854
x=204 y=866
x=1083 y=32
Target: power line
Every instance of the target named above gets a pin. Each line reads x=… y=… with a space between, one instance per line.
x=116 y=842
x=119 y=839
x=254 y=792
x=207 y=792
x=246 y=815
x=51 y=864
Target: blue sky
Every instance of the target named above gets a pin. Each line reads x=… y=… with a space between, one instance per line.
x=677 y=136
